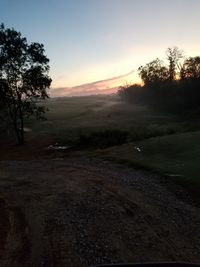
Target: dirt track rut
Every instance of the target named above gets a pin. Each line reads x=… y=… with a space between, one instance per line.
x=78 y=212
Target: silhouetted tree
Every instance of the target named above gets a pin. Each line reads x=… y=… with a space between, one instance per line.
x=174 y=89
x=191 y=68
x=153 y=72
x=23 y=78
x=174 y=55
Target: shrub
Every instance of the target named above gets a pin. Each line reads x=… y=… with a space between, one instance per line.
x=102 y=139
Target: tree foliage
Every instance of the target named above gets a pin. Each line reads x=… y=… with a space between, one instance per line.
x=23 y=78
x=174 y=56
x=191 y=68
x=153 y=72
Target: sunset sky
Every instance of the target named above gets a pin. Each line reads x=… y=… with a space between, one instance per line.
x=95 y=43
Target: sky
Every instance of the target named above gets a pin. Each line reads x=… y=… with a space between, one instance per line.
x=99 y=44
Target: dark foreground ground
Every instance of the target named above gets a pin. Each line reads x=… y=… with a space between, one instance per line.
x=71 y=210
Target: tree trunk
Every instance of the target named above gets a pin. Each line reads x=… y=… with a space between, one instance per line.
x=17 y=132
x=21 y=118
x=22 y=134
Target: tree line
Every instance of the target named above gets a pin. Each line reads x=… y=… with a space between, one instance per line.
x=173 y=85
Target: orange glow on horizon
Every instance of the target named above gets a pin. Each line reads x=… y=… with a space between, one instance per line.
x=132 y=78
x=107 y=86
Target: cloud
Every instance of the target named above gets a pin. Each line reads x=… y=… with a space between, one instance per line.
x=105 y=86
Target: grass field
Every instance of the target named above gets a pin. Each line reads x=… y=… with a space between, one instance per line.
x=175 y=156
x=68 y=117
x=169 y=144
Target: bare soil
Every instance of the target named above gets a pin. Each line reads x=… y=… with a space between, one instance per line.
x=68 y=209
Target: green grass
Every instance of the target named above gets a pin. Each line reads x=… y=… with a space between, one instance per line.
x=68 y=118
x=176 y=156
x=92 y=121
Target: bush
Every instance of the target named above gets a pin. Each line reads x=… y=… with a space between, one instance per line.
x=102 y=139
x=144 y=132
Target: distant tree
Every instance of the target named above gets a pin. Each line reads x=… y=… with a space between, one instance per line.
x=153 y=72
x=191 y=68
x=174 y=55
x=23 y=78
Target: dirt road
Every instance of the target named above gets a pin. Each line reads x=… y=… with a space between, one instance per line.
x=74 y=211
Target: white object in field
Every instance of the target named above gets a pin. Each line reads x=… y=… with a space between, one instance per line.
x=58 y=147
x=137 y=149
